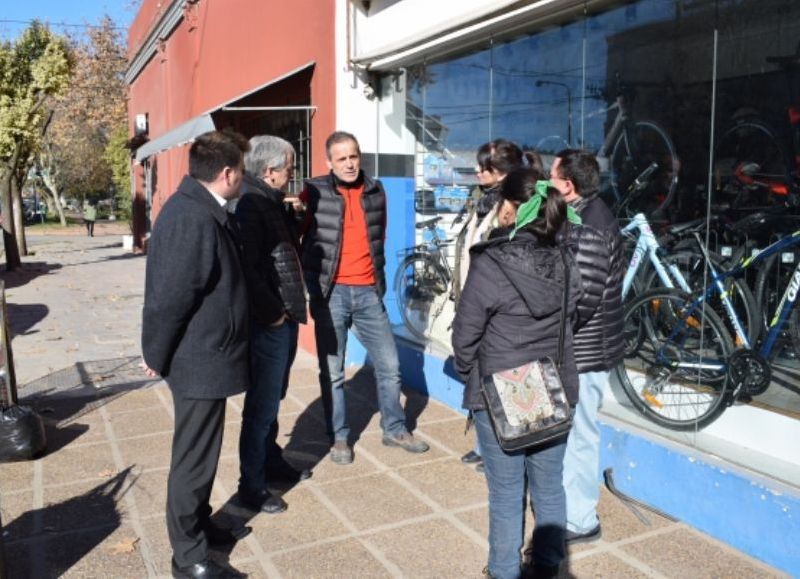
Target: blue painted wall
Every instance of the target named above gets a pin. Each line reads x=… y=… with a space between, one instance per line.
x=399 y=236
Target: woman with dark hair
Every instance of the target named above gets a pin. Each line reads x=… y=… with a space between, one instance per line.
x=495 y=160
x=509 y=314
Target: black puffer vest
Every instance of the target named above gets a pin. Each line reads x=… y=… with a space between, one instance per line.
x=321 y=245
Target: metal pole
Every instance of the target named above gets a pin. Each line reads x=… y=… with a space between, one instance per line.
x=8 y=382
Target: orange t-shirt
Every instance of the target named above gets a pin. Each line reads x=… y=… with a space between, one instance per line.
x=355 y=262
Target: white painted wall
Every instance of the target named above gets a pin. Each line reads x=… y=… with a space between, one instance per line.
x=379 y=124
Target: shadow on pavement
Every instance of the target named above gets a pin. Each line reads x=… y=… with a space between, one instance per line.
x=29 y=271
x=309 y=443
x=64 y=396
x=61 y=534
x=22 y=317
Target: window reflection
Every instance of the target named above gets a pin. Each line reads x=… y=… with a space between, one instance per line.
x=636 y=84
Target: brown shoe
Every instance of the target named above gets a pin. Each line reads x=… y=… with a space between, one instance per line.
x=406 y=441
x=341 y=453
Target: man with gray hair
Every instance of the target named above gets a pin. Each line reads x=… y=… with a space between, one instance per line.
x=277 y=304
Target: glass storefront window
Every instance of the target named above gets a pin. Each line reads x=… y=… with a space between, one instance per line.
x=693 y=110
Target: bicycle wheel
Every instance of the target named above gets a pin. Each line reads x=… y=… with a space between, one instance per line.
x=636 y=148
x=675 y=366
x=751 y=167
x=418 y=284
x=691 y=264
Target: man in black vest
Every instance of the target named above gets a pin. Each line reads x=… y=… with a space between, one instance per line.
x=195 y=335
x=277 y=305
x=343 y=262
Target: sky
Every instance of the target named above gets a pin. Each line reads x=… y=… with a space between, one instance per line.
x=62 y=15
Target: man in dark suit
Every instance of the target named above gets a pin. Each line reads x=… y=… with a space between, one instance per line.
x=195 y=335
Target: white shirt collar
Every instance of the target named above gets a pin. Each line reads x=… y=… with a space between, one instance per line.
x=222 y=201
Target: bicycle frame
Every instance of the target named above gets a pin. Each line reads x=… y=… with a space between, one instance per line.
x=613 y=131
x=647 y=244
x=776 y=323
x=787 y=301
x=433 y=247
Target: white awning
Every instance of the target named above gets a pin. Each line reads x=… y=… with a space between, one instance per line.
x=180 y=135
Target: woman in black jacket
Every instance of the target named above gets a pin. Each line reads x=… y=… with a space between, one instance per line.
x=509 y=315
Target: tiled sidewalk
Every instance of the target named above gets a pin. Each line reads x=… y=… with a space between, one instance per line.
x=94 y=506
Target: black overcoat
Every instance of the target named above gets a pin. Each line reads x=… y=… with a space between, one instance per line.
x=195 y=324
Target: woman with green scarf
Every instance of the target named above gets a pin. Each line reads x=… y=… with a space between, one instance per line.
x=509 y=314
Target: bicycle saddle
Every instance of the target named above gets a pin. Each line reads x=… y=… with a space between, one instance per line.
x=428 y=222
x=686 y=227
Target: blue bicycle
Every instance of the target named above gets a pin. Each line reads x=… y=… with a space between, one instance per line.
x=681 y=368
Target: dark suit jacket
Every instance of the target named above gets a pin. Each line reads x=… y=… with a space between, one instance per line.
x=195 y=325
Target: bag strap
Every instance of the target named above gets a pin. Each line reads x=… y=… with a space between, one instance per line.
x=562 y=329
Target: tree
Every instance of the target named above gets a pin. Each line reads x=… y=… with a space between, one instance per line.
x=74 y=160
x=118 y=158
x=33 y=69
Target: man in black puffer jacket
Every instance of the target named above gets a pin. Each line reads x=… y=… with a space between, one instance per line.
x=277 y=304
x=598 y=335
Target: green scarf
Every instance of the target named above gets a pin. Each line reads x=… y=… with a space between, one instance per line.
x=529 y=210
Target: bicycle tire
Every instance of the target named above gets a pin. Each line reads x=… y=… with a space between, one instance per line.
x=692 y=265
x=683 y=400
x=750 y=142
x=653 y=144
x=414 y=299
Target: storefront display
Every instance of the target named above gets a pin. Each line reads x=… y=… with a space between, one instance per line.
x=693 y=111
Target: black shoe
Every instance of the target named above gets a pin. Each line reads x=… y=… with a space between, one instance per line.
x=285 y=473
x=207 y=569
x=221 y=537
x=573 y=538
x=480 y=468
x=536 y=571
x=264 y=501
x=471 y=457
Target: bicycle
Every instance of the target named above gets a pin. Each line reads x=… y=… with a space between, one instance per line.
x=422 y=281
x=681 y=369
x=629 y=148
x=683 y=269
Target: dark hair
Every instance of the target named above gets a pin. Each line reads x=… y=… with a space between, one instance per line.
x=581 y=168
x=499 y=154
x=519 y=186
x=339 y=137
x=213 y=151
x=533 y=161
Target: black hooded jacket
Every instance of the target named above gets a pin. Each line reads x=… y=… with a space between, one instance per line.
x=494 y=330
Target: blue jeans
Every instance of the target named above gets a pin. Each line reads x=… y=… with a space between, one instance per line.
x=360 y=309
x=505 y=477
x=582 y=459
x=271 y=350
